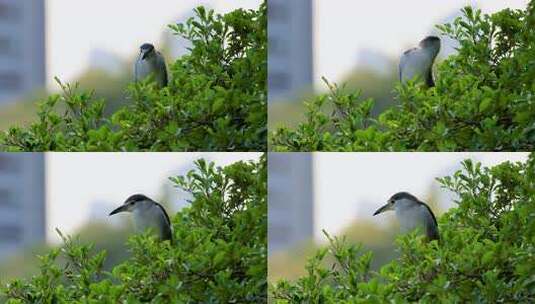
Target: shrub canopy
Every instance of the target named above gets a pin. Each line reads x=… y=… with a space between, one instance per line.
x=485 y=254
x=484 y=98
x=215 y=100
x=218 y=254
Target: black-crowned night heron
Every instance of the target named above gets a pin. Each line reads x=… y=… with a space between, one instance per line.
x=418 y=62
x=150 y=62
x=412 y=213
x=147 y=214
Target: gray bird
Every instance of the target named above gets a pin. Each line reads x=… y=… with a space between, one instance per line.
x=150 y=62
x=147 y=214
x=418 y=62
x=412 y=213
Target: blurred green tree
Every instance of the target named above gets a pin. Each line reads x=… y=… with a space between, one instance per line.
x=290 y=264
x=107 y=86
x=25 y=265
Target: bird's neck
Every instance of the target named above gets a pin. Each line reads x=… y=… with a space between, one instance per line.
x=407 y=217
x=431 y=53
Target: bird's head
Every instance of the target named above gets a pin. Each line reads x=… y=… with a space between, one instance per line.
x=430 y=42
x=136 y=201
x=146 y=50
x=398 y=200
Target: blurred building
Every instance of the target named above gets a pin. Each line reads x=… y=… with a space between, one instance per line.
x=290 y=199
x=22 y=201
x=290 y=58
x=22 y=47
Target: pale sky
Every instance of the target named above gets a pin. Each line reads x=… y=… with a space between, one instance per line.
x=79 y=185
x=350 y=186
x=76 y=27
x=343 y=27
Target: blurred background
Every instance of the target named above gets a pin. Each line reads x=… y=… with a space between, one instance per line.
x=75 y=192
x=93 y=43
x=353 y=42
x=339 y=192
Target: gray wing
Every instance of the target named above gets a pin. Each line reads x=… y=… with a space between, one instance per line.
x=166 y=231
x=403 y=61
x=429 y=77
x=431 y=225
x=400 y=67
x=160 y=65
x=136 y=70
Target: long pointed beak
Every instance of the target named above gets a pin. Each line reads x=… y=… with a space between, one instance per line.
x=120 y=209
x=143 y=55
x=383 y=209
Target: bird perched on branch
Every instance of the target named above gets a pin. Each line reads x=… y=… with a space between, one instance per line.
x=412 y=213
x=150 y=62
x=147 y=214
x=418 y=62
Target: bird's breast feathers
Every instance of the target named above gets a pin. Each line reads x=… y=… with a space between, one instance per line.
x=154 y=65
x=143 y=69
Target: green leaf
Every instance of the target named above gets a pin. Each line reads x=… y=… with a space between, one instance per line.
x=485 y=104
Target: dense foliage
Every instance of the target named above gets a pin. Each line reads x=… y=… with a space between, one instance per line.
x=218 y=255
x=485 y=254
x=484 y=99
x=215 y=101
